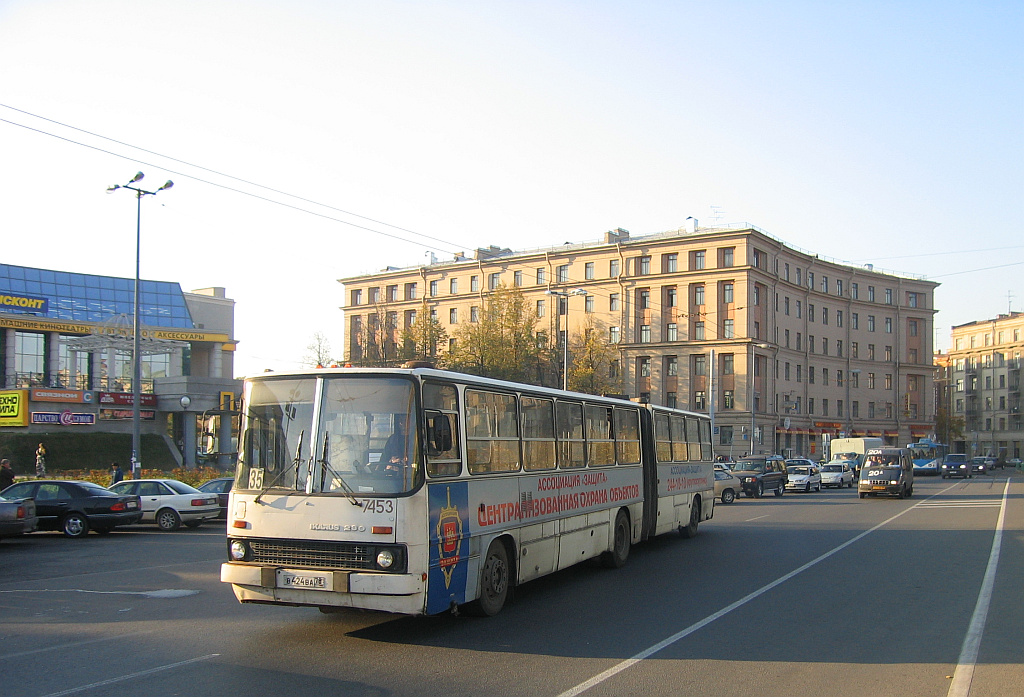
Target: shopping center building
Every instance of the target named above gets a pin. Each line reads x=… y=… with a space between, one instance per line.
x=785 y=348
x=66 y=350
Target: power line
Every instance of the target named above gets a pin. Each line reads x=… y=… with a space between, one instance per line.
x=238 y=179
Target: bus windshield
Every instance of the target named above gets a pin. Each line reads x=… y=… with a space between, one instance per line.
x=363 y=443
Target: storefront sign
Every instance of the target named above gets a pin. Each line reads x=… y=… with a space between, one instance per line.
x=14 y=408
x=74 y=396
x=123 y=414
x=64 y=418
x=122 y=399
x=25 y=303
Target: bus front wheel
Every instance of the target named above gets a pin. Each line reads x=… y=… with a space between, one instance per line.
x=494 y=582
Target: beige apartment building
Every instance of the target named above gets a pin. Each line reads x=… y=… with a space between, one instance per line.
x=785 y=349
x=983 y=372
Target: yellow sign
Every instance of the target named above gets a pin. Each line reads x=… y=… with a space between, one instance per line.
x=14 y=408
x=227 y=400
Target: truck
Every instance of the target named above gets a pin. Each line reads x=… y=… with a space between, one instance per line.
x=853 y=449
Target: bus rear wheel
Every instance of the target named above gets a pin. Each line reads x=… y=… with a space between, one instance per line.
x=494 y=582
x=616 y=558
x=690 y=531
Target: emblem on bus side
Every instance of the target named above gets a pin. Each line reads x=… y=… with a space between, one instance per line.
x=449 y=538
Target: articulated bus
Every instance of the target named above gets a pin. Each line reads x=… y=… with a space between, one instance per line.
x=927 y=456
x=420 y=491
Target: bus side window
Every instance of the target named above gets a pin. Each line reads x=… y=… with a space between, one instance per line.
x=443 y=459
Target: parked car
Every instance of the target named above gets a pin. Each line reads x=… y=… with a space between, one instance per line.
x=761 y=473
x=727 y=486
x=74 y=507
x=993 y=463
x=1014 y=462
x=170 y=503
x=838 y=473
x=956 y=465
x=17 y=516
x=980 y=465
x=222 y=487
x=802 y=475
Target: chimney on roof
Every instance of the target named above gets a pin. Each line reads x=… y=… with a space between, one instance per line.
x=616 y=235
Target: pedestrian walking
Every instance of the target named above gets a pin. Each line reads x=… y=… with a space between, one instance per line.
x=6 y=474
x=41 y=462
x=116 y=475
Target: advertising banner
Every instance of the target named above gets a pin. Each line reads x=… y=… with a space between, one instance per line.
x=54 y=395
x=124 y=399
x=63 y=418
x=14 y=408
x=122 y=414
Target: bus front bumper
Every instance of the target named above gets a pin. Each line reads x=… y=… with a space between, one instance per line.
x=268 y=581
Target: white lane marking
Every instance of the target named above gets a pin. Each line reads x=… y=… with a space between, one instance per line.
x=629 y=662
x=964 y=673
x=164 y=593
x=757 y=518
x=71 y=645
x=218 y=560
x=130 y=676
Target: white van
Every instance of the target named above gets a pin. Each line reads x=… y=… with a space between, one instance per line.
x=887 y=472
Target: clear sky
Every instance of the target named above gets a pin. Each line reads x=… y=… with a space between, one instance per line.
x=881 y=132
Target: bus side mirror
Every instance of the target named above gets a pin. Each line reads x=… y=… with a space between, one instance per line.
x=440 y=432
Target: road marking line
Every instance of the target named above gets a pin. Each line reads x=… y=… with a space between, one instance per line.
x=665 y=643
x=61 y=647
x=130 y=676
x=757 y=518
x=964 y=673
x=164 y=593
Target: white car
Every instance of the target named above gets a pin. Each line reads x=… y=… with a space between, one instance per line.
x=803 y=475
x=170 y=503
x=727 y=486
x=838 y=473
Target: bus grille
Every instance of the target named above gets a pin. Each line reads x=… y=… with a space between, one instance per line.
x=311 y=554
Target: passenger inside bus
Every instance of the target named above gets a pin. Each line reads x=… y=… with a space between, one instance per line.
x=394 y=458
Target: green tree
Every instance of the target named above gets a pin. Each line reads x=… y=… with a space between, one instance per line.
x=593 y=362
x=420 y=341
x=503 y=344
x=948 y=428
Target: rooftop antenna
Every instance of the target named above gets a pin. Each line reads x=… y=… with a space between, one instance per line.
x=431 y=258
x=1009 y=302
x=716 y=215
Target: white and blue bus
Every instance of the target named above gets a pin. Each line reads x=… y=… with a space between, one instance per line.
x=927 y=456
x=420 y=491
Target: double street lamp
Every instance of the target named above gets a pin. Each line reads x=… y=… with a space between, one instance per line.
x=136 y=327
x=565 y=342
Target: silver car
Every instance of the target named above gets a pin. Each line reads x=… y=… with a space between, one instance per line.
x=838 y=473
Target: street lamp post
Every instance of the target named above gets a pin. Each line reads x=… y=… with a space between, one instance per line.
x=136 y=327
x=565 y=342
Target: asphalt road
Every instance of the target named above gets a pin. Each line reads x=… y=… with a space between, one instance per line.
x=807 y=595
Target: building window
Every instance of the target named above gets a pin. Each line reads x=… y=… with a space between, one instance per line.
x=671 y=366
x=670 y=297
x=871 y=323
x=645 y=333
x=643 y=266
x=871 y=381
x=671 y=332
x=700 y=400
x=698 y=331
x=493 y=281
x=588 y=304
x=644 y=367
x=517 y=278
x=810 y=280
x=700 y=365
x=613 y=268
x=697 y=261
x=613 y=335
x=392 y=294
x=888 y=296
x=698 y=294
x=728 y=256
x=728 y=400
x=911 y=299
x=839 y=318
x=453 y=286
x=839 y=287
x=727 y=293
x=729 y=328
x=871 y=294
x=453 y=316
x=855 y=292
x=563 y=305
x=824 y=284
x=669 y=263
x=888 y=355
x=643 y=299
x=888 y=325
x=855 y=320
x=888 y=381
x=562 y=273
x=728 y=363
x=785 y=305
x=541 y=309
x=435 y=288
x=912 y=327
x=474 y=284
x=588 y=270
x=357 y=296
x=542 y=277
x=474 y=314
x=810 y=312
x=839 y=347
x=799 y=373
x=810 y=405
x=613 y=302
x=670 y=400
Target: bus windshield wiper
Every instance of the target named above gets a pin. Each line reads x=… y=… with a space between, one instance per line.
x=296 y=462
x=326 y=467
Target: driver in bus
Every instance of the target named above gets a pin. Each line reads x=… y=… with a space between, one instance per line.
x=394 y=458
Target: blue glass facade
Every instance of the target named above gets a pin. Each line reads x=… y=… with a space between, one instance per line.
x=86 y=298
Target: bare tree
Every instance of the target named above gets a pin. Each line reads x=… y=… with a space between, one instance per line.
x=318 y=352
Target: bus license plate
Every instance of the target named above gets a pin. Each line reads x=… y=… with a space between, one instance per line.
x=311 y=580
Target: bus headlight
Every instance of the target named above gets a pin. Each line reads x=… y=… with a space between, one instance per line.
x=238 y=550
x=385 y=558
